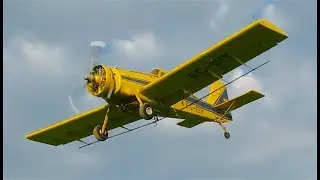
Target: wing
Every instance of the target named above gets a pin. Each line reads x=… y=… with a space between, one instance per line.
x=208 y=66
x=81 y=126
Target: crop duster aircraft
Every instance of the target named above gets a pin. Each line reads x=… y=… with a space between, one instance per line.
x=132 y=95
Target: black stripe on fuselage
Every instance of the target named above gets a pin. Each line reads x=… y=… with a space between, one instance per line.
x=208 y=107
x=190 y=99
x=139 y=81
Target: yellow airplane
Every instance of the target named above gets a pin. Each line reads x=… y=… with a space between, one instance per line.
x=132 y=95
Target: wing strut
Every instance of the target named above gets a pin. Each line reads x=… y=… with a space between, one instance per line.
x=88 y=144
x=242 y=63
x=226 y=133
x=82 y=141
x=126 y=128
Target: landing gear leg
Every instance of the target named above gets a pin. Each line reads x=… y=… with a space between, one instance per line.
x=145 y=110
x=100 y=132
x=226 y=133
x=156 y=119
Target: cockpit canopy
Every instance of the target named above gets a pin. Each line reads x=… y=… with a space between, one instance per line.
x=158 y=72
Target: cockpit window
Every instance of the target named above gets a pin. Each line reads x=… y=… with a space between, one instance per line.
x=155 y=71
x=158 y=72
x=162 y=73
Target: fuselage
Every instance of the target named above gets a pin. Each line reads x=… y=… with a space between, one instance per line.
x=129 y=82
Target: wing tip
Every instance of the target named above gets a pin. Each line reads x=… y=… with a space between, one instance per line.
x=268 y=24
x=34 y=138
x=30 y=135
x=27 y=136
x=257 y=93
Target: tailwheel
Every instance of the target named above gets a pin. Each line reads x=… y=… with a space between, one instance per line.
x=146 y=111
x=227 y=135
x=99 y=134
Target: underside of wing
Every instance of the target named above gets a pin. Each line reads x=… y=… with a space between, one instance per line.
x=81 y=126
x=210 y=65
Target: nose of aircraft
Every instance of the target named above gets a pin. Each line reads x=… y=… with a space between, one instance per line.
x=93 y=79
x=89 y=78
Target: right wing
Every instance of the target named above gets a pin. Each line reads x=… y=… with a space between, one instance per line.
x=209 y=66
x=81 y=126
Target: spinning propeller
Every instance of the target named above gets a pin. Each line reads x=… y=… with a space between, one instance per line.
x=95 y=76
x=100 y=82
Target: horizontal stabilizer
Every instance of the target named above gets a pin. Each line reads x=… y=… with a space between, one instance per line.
x=240 y=100
x=190 y=123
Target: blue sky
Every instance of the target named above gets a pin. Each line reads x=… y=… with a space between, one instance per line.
x=46 y=45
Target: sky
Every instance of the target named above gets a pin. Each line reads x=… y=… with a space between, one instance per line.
x=46 y=50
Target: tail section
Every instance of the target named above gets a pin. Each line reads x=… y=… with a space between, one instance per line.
x=240 y=101
x=219 y=98
x=219 y=94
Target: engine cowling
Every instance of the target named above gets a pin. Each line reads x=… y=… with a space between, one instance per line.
x=101 y=82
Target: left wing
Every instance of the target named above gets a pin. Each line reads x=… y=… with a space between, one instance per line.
x=209 y=66
x=81 y=126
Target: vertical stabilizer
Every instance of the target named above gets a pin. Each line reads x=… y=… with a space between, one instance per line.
x=220 y=94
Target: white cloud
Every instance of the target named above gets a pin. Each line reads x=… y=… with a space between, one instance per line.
x=41 y=66
x=140 y=46
x=244 y=84
x=219 y=15
x=38 y=58
x=35 y=55
x=247 y=83
x=39 y=61
x=270 y=12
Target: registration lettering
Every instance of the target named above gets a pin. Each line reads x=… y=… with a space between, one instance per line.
x=214 y=62
x=192 y=107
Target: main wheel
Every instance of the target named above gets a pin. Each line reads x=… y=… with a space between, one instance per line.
x=98 y=134
x=146 y=111
x=227 y=135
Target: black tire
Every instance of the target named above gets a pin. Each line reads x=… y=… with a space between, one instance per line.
x=98 y=135
x=146 y=111
x=227 y=135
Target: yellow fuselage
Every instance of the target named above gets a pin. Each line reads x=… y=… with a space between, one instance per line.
x=130 y=82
